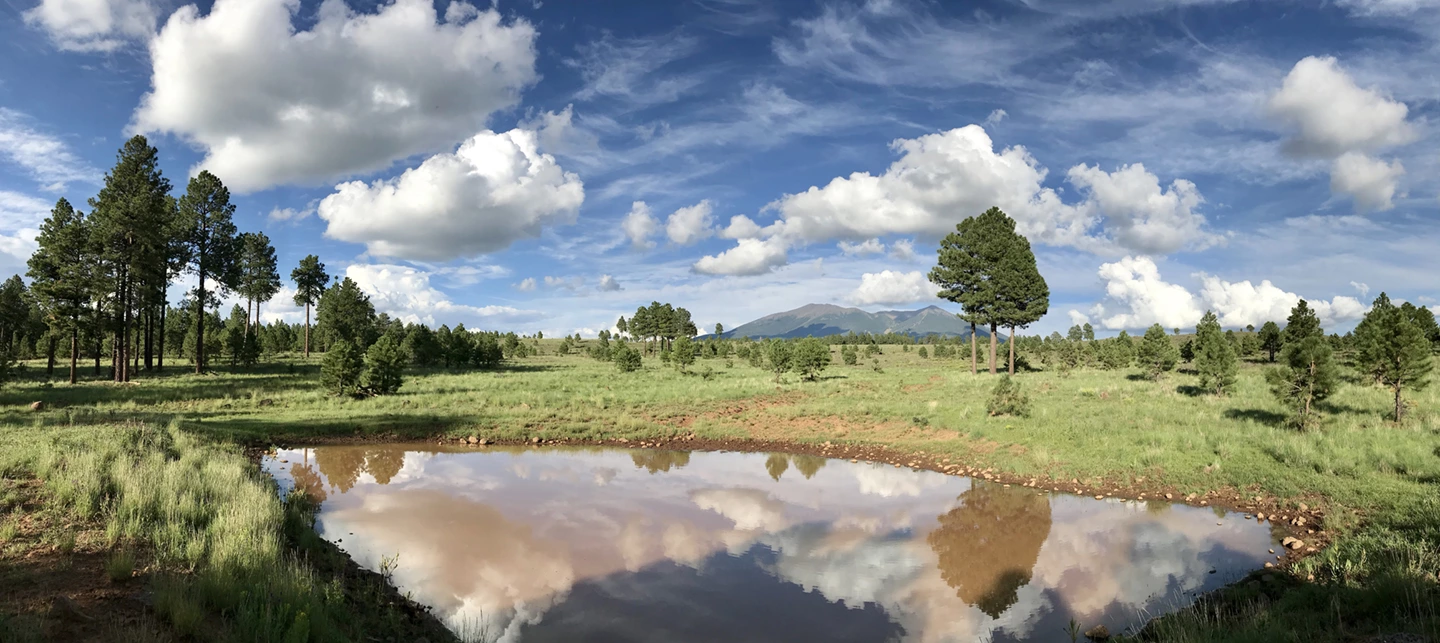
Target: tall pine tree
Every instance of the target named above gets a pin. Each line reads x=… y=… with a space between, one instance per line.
x=209 y=234
x=1214 y=357
x=310 y=280
x=60 y=274
x=1308 y=375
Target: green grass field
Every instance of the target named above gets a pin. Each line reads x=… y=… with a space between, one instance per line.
x=156 y=467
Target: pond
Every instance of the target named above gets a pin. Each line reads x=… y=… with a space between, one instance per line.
x=568 y=544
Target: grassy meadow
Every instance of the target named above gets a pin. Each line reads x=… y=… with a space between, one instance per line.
x=154 y=479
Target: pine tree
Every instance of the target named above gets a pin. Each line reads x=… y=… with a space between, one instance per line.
x=340 y=372
x=384 y=367
x=345 y=312
x=1075 y=334
x=1088 y=331
x=209 y=236
x=683 y=354
x=259 y=278
x=960 y=272
x=1394 y=350
x=310 y=280
x=60 y=274
x=1021 y=295
x=780 y=356
x=129 y=220
x=1157 y=354
x=811 y=357
x=1214 y=358
x=1308 y=375
x=1270 y=339
x=1187 y=350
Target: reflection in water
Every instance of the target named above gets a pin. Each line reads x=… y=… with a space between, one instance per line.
x=658 y=461
x=989 y=544
x=550 y=544
x=776 y=465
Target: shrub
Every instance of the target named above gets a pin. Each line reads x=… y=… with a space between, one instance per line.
x=810 y=357
x=684 y=354
x=626 y=359
x=384 y=365
x=1008 y=399
x=849 y=355
x=780 y=355
x=1214 y=357
x=340 y=371
x=1157 y=353
x=923 y=354
x=120 y=566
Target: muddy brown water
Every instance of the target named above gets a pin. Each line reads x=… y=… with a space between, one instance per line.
x=610 y=545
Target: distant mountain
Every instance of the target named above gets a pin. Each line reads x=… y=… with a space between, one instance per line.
x=820 y=320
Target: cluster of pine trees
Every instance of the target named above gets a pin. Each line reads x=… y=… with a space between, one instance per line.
x=105 y=275
x=990 y=270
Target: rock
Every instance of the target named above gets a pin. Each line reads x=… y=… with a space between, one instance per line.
x=472 y=439
x=1269 y=565
x=1292 y=543
x=1098 y=633
x=484 y=441
x=37 y=406
x=1300 y=521
x=1169 y=496
x=1259 y=516
x=534 y=440
x=64 y=608
x=1304 y=507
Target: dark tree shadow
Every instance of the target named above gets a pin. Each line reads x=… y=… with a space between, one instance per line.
x=1189 y=390
x=1269 y=418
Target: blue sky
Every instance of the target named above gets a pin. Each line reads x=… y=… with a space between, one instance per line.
x=552 y=165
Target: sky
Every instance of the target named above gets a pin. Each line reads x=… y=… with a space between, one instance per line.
x=551 y=165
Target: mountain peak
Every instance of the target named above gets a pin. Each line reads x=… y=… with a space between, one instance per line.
x=821 y=320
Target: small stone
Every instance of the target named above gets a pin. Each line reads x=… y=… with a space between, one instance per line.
x=1304 y=507
x=472 y=439
x=1272 y=551
x=1099 y=497
x=1098 y=633
x=1295 y=543
x=1269 y=565
x=534 y=440
x=1169 y=496
x=37 y=406
x=484 y=441
x=1300 y=521
x=1259 y=516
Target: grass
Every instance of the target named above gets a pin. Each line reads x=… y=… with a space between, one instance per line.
x=157 y=462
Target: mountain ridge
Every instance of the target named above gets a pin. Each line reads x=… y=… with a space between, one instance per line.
x=822 y=320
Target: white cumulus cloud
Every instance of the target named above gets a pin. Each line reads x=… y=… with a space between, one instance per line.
x=639 y=225
x=405 y=293
x=741 y=227
x=689 y=224
x=1138 y=297
x=1139 y=214
x=866 y=247
x=1371 y=182
x=94 y=25
x=748 y=257
x=272 y=103
x=1332 y=115
x=608 y=284
x=893 y=287
x=494 y=190
x=526 y=285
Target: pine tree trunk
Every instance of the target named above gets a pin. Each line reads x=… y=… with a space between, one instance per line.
x=994 y=328
x=307 y=335
x=74 y=352
x=160 y=354
x=99 y=344
x=1012 y=350
x=149 y=338
x=1399 y=407
x=200 y=322
x=50 y=355
x=974 y=351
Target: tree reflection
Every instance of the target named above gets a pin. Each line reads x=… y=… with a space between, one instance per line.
x=807 y=465
x=657 y=461
x=341 y=466
x=383 y=463
x=307 y=481
x=776 y=464
x=989 y=544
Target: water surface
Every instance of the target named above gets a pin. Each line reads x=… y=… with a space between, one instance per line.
x=567 y=544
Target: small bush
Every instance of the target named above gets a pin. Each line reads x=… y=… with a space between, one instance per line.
x=849 y=355
x=923 y=353
x=707 y=373
x=627 y=360
x=340 y=370
x=120 y=566
x=875 y=366
x=1008 y=399
x=384 y=364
